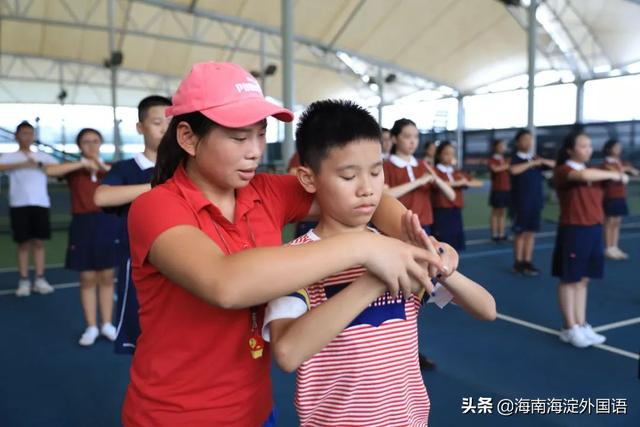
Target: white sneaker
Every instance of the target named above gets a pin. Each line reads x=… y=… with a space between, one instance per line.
x=575 y=336
x=109 y=331
x=592 y=335
x=89 y=336
x=610 y=253
x=24 y=288
x=620 y=253
x=43 y=287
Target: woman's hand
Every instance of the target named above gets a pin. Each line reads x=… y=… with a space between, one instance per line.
x=398 y=264
x=415 y=235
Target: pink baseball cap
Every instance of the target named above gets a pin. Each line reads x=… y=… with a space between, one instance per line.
x=225 y=93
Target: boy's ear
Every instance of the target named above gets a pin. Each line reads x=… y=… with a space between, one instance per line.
x=186 y=139
x=307 y=179
x=139 y=128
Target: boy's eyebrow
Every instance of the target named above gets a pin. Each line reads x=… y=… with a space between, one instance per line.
x=379 y=163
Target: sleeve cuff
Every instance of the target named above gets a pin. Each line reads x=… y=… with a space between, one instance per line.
x=288 y=307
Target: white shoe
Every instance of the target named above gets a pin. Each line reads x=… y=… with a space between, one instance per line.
x=592 y=335
x=621 y=255
x=109 y=331
x=43 y=287
x=89 y=336
x=24 y=288
x=575 y=336
x=610 y=253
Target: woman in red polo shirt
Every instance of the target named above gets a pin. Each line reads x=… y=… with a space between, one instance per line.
x=200 y=360
x=92 y=236
x=578 y=254
x=500 y=196
x=615 y=199
x=447 y=213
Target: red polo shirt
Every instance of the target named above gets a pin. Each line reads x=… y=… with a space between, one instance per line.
x=614 y=189
x=500 y=181
x=439 y=200
x=418 y=200
x=82 y=189
x=580 y=202
x=192 y=365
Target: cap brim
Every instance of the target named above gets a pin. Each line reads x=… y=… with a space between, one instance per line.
x=246 y=112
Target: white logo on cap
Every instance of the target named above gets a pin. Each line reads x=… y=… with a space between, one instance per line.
x=248 y=87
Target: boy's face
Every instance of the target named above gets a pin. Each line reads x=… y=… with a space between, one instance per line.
x=25 y=137
x=524 y=143
x=349 y=184
x=153 y=127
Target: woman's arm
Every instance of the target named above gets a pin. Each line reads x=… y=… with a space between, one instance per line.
x=118 y=195
x=62 y=169
x=499 y=168
x=519 y=168
x=470 y=296
x=402 y=189
x=188 y=257
x=29 y=163
x=595 y=175
x=291 y=340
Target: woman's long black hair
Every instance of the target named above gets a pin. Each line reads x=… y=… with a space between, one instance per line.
x=569 y=143
x=608 y=146
x=170 y=154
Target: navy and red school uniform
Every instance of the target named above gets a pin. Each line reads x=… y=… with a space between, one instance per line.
x=447 y=214
x=93 y=239
x=500 y=195
x=193 y=365
x=137 y=170
x=397 y=172
x=526 y=196
x=615 y=192
x=579 y=247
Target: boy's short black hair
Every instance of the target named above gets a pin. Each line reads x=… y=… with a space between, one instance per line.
x=332 y=123
x=150 y=102
x=24 y=124
x=521 y=132
x=385 y=130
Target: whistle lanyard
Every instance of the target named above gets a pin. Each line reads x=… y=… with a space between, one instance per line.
x=256 y=342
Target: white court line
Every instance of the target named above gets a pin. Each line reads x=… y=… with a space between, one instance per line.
x=616 y=325
x=5 y=292
x=12 y=269
x=550 y=331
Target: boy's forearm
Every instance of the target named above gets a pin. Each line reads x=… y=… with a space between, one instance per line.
x=310 y=333
x=471 y=297
x=118 y=195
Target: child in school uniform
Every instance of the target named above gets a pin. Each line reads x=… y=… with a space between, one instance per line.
x=29 y=206
x=92 y=236
x=526 y=201
x=409 y=180
x=125 y=181
x=499 y=197
x=387 y=143
x=207 y=255
x=353 y=344
x=447 y=213
x=578 y=255
x=615 y=199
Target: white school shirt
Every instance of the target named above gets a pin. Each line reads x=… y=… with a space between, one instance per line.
x=28 y=186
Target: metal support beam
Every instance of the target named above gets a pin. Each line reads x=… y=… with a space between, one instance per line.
x=531 y=51
x=380 y=81
x=580 y=101
x=111 y=5
x=460 y=133
x=346 y=23
x=287 y=74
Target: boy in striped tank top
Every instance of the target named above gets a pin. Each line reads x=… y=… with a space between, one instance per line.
x=355 y=346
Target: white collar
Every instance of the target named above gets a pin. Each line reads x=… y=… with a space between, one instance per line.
x=498 y=156
x=611 y=160
x=385 y=156
x=575 y=165
x=401 y=163
x=524 y=156
x=445 y=169
x=143 y=162
x=311 y=234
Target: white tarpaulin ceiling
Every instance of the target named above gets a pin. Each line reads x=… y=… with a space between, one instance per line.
x=461 y=44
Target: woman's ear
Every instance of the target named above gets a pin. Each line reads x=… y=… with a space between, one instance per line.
x=307 y=178
x=186 y=139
